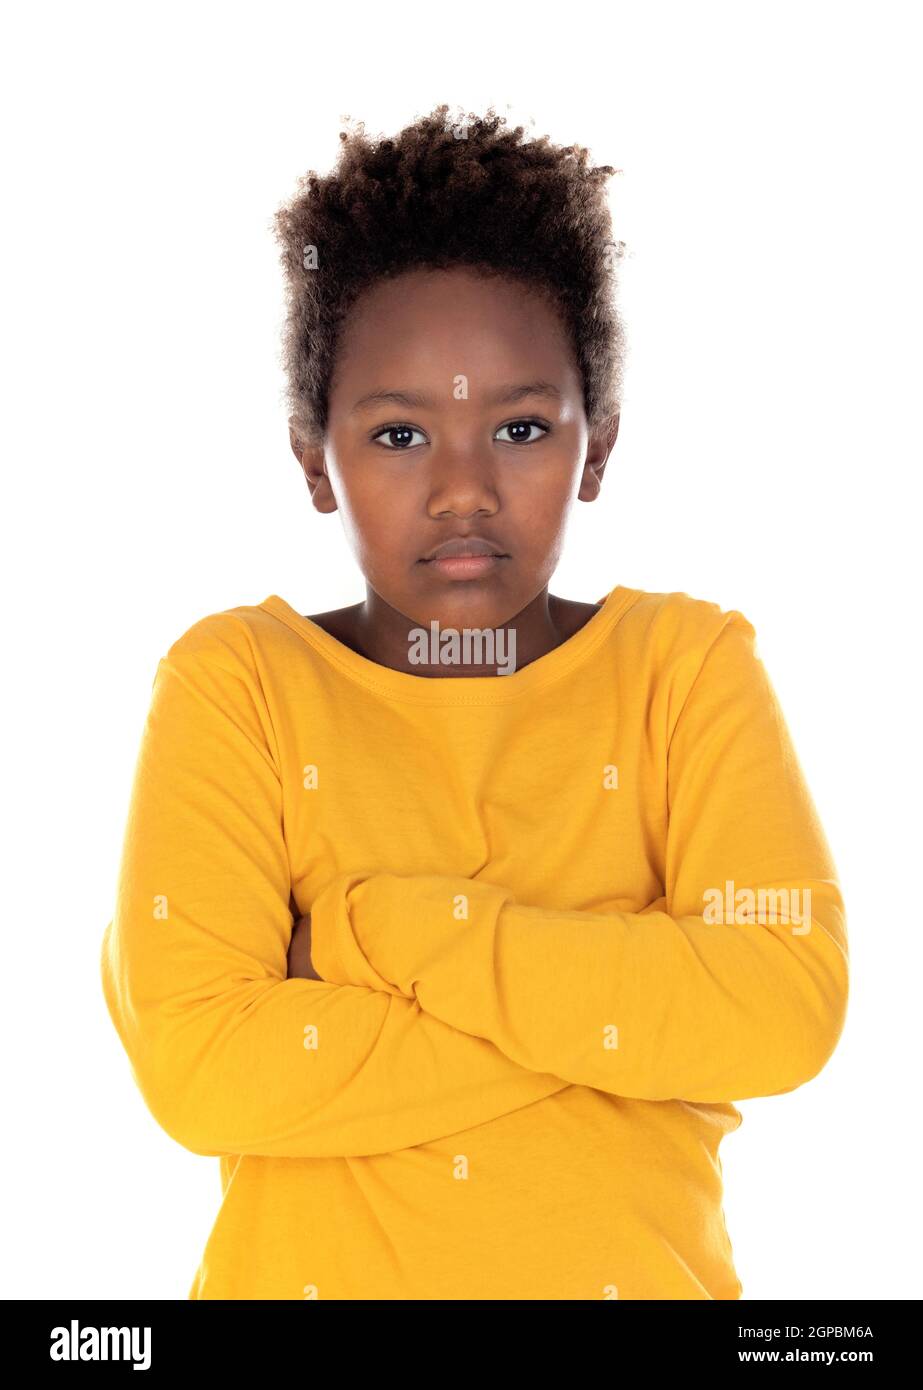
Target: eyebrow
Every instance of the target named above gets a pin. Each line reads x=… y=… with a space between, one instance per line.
x=502 y=396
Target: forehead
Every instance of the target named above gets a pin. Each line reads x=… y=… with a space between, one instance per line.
x=425 y=323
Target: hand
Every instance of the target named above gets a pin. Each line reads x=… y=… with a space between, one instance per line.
x=299 y=951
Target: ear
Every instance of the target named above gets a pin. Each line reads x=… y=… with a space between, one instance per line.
x=313 y=465
x=598 y=451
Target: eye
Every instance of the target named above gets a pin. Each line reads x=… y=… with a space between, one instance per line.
x=525 y=424
x=400 y=436
x=402 y=430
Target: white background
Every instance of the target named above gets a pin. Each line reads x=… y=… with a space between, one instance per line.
x=768 y=460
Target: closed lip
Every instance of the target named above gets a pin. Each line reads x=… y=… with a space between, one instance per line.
x=463 y=545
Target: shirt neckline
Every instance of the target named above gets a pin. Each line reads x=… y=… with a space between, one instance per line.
x=459 y=690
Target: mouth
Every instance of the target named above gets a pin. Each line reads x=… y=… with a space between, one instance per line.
x=464 y=557
x=464 y=566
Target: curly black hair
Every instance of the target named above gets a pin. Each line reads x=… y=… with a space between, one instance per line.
x=450 y=192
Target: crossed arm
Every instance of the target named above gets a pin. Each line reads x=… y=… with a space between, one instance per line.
x=230 y=1055
x=417 y=1022
x=681 y=1000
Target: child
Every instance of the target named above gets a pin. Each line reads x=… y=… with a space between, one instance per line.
x=454 y=922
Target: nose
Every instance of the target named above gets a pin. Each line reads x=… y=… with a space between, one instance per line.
x=461 y=484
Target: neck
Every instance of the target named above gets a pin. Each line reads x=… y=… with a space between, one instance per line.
x=441 y=650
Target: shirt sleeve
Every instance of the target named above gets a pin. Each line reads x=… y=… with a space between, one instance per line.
x=685 y=999
x=230 y=1055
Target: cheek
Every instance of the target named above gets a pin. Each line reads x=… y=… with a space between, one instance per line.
x=384 y=512
x=384 y=523
x=538 y=503
x=365 y=502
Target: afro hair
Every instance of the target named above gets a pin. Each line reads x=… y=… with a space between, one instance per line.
x=449 y=192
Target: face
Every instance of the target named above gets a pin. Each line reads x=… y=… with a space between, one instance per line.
x=455 y=414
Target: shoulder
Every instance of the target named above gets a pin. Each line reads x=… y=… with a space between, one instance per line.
x=676 y=614
x=673 y=651
x=668 y=640
x=676 y=623
x=230 y=634
x=230 y=649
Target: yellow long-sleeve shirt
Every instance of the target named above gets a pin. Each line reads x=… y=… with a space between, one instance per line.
x=550 y=958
